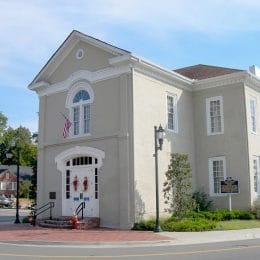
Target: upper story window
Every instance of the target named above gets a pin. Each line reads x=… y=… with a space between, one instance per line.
x=215 y=117
x=217 y=173
x=79 y=102
x=172 y=112
x=253 y=114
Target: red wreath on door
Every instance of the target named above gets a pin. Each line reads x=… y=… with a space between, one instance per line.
x=75 y=183
x=85 y=184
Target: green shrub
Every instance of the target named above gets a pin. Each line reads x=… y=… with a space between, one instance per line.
x=25 y=220
x=223 y=214
x=171 y=224
x=147 y=225
x=195 y=221
x=188 y=224
x=202 y=200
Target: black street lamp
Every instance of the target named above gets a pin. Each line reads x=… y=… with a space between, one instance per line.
x=9 y=156
x=158 y=142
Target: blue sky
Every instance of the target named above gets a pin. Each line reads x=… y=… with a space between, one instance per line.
x=171 y=33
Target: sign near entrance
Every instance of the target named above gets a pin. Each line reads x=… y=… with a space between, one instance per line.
x=229 y=186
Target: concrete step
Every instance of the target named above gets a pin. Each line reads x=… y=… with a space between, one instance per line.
x=51 y=225
x=64 y=223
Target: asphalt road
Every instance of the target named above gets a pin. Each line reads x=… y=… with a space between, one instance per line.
x=248 y=249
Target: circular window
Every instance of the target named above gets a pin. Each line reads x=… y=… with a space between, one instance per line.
x=80 y=54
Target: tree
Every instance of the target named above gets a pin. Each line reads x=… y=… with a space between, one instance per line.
x=22 y=138
x=177 y=187
x=3 y=124
x=25 y=189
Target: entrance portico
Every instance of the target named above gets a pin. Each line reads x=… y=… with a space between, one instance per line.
x=79 y=167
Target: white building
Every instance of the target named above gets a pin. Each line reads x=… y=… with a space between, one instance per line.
x=113 y=100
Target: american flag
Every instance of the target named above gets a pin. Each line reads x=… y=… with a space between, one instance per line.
x=66 y=128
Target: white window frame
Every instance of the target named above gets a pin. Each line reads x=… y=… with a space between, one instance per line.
x=211 y=176
x=253 y=114
x=208 y=102
x=256 y=174
x=81 y=104
x=175 y=113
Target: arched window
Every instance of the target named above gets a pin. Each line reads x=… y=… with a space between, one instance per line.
x=79 y=102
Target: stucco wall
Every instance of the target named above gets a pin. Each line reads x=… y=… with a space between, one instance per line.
x=150 y=109
x=253 y=138
x=111 y=132
x=94 y=59
x=232 y=144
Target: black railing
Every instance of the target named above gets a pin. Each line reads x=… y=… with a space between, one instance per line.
x=80 y=208
x=37 y=211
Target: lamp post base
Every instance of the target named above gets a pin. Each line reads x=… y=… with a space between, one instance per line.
x=157 y=229
x=17 y=220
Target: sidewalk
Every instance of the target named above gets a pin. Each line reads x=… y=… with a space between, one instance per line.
x=27 y=233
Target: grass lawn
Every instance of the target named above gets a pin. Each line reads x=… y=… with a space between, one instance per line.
x=237 y=224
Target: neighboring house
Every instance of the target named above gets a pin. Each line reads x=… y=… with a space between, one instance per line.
x=7 y=183
x=113 y=100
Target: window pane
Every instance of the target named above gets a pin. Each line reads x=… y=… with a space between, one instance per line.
x=81 y=95
x=171 y=113
x=76 y=120
x=218 y=174
x=86 y=119
x=253 y=114
x=215 y=116
x=256 y=174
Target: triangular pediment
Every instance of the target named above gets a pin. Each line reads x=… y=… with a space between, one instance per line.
x=68 y=57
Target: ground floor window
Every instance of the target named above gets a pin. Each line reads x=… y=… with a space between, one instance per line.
x=217 y=173
x=7 y=185
x=256 y=174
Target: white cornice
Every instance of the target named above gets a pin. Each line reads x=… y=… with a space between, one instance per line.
x=224 y=80
x=164 y=76
x=124 y=63
x=120 y=65
x=44 y=88
x=153 y=70
x=252 y=81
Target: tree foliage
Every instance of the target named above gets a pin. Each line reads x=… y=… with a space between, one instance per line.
x=14 y=139
x=3 y=124
x=25 y=188
x=177 y=187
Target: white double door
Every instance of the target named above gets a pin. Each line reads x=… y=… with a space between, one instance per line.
x=81 y=181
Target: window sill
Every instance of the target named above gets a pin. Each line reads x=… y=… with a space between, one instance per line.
x=172 y=131
x=78 y=136
x=219 y=133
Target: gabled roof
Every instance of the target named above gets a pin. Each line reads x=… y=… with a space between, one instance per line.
x=201 y=71
x=24 y=170
x=69 y=42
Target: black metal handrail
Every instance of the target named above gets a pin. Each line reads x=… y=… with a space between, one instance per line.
x=37 y=211
x=80 y=208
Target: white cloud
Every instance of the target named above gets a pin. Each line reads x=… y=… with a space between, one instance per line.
x=32 y=30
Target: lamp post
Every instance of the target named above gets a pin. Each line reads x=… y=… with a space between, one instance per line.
x=9 y=156
x=158 y=142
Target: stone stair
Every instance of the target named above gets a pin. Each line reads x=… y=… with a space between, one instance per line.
x=64 y=223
